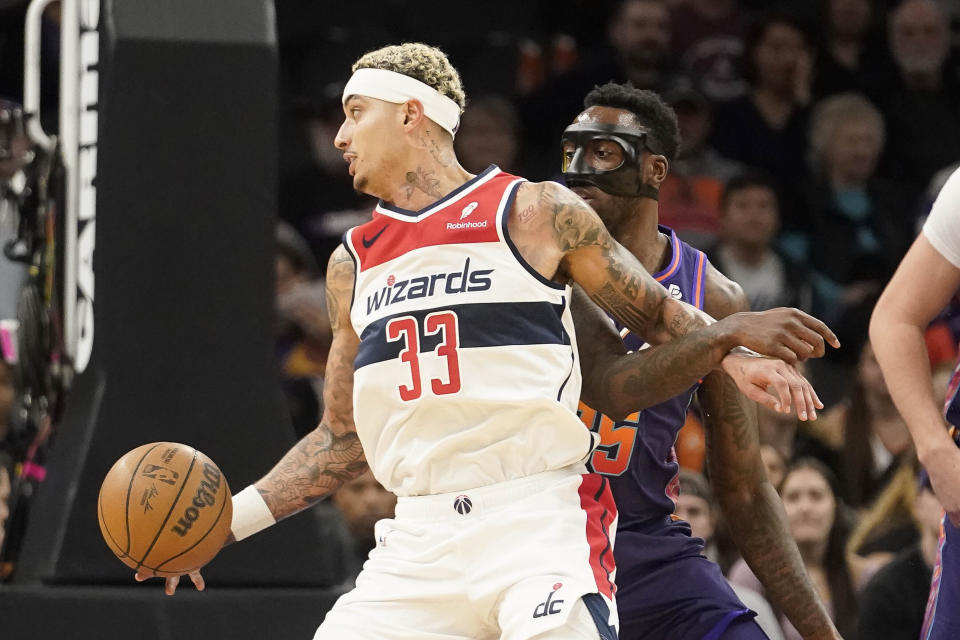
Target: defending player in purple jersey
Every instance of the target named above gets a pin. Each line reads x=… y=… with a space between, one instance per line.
x=616 y=154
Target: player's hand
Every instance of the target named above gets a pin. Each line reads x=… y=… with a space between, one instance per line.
x=170 y=586
x=773 y=384
x=943 y=465
x=785 y=333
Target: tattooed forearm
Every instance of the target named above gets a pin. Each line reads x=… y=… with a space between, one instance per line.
x=614 y=302
x=331 y=454
x=751 y=505
x=648 y=377
x=618 y=383
x=611 y=275
x=316 y=467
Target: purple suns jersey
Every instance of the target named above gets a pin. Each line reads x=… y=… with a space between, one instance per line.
x=638 y=454
x=943 y=622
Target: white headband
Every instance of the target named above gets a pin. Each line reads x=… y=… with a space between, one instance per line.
x=396 y=87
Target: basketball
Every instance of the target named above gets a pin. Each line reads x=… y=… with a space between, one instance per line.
x=165 y=509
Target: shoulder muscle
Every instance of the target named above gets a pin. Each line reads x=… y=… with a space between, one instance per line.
x=722 y=296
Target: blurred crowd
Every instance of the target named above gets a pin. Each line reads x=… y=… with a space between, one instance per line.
x=815 y=135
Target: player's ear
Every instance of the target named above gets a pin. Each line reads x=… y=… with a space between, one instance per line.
x=655 y=169
x=412 y=111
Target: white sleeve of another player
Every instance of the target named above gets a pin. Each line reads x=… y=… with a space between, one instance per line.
x=942 y=227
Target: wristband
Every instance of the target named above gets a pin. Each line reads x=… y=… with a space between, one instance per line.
x=250 y=514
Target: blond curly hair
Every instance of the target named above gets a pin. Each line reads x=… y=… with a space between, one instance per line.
x=422 y=62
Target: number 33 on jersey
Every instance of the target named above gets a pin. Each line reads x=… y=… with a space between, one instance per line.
x=467 y=363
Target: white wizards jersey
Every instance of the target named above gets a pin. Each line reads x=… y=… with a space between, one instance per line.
x=467 y=370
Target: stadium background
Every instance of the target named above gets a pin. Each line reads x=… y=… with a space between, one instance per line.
x=215 y=121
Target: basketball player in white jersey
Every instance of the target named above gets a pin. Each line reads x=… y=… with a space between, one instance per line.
x=453 y=374
x=925 y=282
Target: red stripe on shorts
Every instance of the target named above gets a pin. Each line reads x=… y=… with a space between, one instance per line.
x=597 y=501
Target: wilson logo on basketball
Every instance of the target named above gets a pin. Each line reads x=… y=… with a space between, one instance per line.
x=205 y=496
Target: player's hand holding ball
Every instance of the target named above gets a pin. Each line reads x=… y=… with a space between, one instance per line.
x=165 y=510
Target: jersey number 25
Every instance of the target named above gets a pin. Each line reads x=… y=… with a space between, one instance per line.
x=613 y=454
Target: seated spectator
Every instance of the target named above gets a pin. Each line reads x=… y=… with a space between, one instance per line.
x=7 y=398
x=6 y=481
x=708 y=39
x=637 y=50
x=856 y=229
x=691 y=193
x=922 y=104
x=695 y=505
x=749 y=220
x=766 y=129
x=820 y=528
x=774 y=464
x=876 y=439
x=6 y=490
x=851 y=56
x=893 y=602
x=316 y=194
x=362 y=503
x=303 y=331
x=489 y=133
x=888 y=526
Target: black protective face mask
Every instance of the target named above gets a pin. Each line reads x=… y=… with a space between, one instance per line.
x=623 y=180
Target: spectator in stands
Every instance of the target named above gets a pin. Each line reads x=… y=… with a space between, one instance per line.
x=820 y=527
x=489 y=133
x=316 y=196
x=7 y=398
x=850 y=54
x=820 y=439
x=857 y=225
x=363 y=502
x=695 y=505
x=767 y=128
x=303 y=332
x=6 y=480
x=774 y=463
x=876 y=439
x=749 y=221
x=921 y=103
x=888 y=525
x=893 y=602
x=708 y=40
x=690 y=195
x=638 y=51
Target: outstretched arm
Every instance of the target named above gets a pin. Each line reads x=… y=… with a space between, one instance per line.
x=617 y=383
x=750 y=503
x=325 y=458
x=331 y=454
x=563 y=231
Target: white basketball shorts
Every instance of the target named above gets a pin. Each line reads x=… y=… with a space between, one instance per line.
x=523 y=559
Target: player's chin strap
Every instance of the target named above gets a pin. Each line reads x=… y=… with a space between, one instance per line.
x=626 y=179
